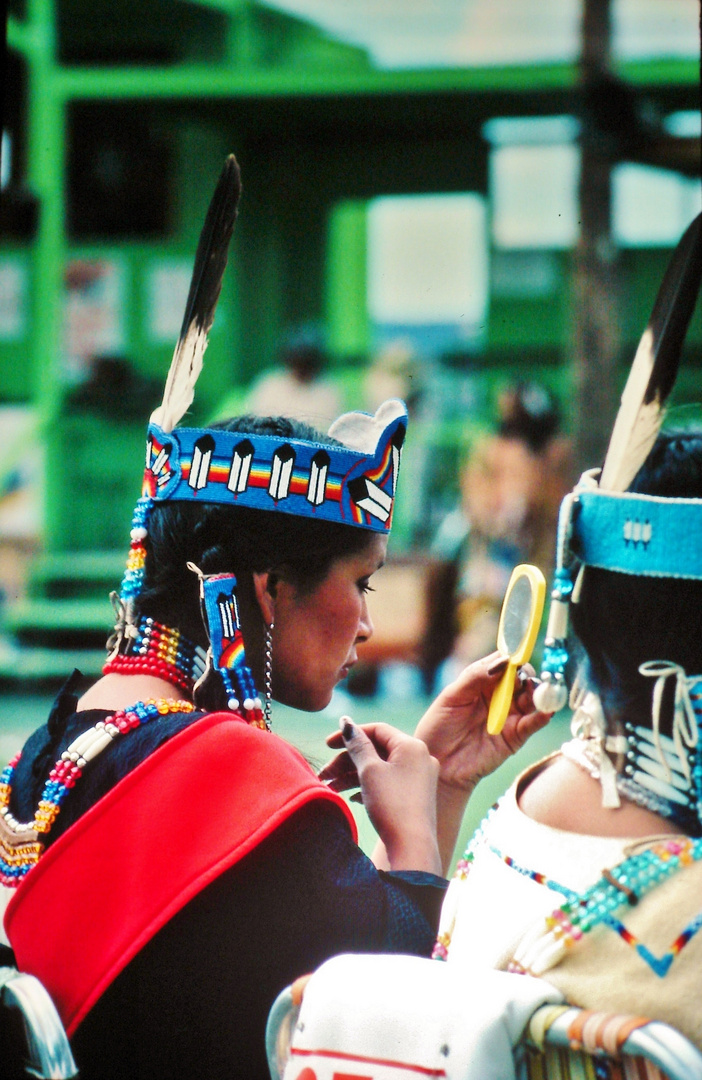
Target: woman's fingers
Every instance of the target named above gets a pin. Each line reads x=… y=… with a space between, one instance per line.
x=340 y=773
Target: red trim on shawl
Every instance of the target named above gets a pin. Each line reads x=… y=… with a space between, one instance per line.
x=109 y=884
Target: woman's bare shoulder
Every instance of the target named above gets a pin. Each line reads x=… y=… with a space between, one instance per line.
x=562 y=795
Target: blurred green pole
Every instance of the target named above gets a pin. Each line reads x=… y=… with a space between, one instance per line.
x=596 y=343
x=46 y=177
x=348 y=325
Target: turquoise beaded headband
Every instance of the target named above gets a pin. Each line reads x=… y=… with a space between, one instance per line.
x=626 y=532
x=637 y=534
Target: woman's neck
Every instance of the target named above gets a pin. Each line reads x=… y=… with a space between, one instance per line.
x=115 y=691
x=564 y=796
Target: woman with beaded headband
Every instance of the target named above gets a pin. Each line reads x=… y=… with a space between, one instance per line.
x=588 y=873
x=172 y=863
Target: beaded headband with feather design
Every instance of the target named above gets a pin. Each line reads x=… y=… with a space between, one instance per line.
x=628 y=519
x=353 y=483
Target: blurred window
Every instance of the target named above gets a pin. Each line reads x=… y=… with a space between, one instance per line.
x=652 y=207
x=427 y=259
x=534 y=169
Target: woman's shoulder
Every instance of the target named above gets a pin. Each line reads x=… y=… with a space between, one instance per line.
x=561 y=794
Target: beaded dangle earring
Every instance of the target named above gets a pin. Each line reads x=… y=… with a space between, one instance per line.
x=552 y=694
x=226 y=656
x=268 y=674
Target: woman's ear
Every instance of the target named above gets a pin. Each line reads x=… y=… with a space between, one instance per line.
x=265 y=582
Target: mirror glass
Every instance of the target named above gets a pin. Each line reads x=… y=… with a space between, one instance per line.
x=516 y=616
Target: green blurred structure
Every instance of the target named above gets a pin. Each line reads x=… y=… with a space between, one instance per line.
x=122 y=116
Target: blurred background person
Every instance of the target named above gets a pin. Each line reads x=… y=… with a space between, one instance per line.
x=510 y=489
x=297 y=387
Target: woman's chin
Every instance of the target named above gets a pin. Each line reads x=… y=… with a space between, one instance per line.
x=307 y=702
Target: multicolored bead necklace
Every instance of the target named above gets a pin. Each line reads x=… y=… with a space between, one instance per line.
x=621 y=886
x=20 y=843
x=163 y=652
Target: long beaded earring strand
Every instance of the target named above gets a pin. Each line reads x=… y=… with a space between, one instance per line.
x=268 y=674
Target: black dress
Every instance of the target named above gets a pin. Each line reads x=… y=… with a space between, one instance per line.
x=194 y=1002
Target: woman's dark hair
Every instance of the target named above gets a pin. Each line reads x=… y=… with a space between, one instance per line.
x=623 y=620
x=236 y=540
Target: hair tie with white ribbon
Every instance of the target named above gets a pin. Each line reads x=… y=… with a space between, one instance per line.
x=685 y=727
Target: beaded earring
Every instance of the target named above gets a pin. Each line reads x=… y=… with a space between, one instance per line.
x=133 y=579
x=226 y=655
x=268 y=673
x=552 y=693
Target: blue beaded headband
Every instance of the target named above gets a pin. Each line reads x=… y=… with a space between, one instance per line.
x=600 y=523
x=351 y=484
x=630 y=533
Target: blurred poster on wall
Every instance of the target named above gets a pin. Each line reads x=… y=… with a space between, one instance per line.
x=21 y=496
x=168 y=283
x=13 y=298
x=94 y=312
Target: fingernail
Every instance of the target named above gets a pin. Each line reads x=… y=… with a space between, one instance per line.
x=498 y=666
x=347 y=729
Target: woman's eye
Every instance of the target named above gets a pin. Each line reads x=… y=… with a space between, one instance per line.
x=365 y=586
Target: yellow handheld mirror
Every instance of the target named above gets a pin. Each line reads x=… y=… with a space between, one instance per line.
x=520 y=620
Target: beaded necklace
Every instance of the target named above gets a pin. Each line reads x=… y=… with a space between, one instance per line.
x=163 y=652
x=619 y=887
x=20 y=844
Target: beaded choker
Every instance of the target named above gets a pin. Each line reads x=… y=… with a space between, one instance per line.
x=661 y=773
x=20 y=844
x=163 y=652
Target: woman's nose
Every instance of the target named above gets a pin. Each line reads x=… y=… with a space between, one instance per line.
x=365 y=623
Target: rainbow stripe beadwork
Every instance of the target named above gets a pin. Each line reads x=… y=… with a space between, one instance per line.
x=622 y=886
x=163 y=652
x=133 y=579
x=20 y=843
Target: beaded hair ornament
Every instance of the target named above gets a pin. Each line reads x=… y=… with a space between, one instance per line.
x=602 y=524
x=353 y=483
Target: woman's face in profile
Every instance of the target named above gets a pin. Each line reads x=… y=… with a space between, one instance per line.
x=316 y=633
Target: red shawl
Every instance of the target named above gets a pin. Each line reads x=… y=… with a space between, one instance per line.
x=181 y=818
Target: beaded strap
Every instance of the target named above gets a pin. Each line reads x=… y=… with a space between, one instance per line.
x=624 y=885
x=20 y=843
x=621 y=886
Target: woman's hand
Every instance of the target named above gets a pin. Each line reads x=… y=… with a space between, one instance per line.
x=454 y=730
x=454 y=726
x=398 y=778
